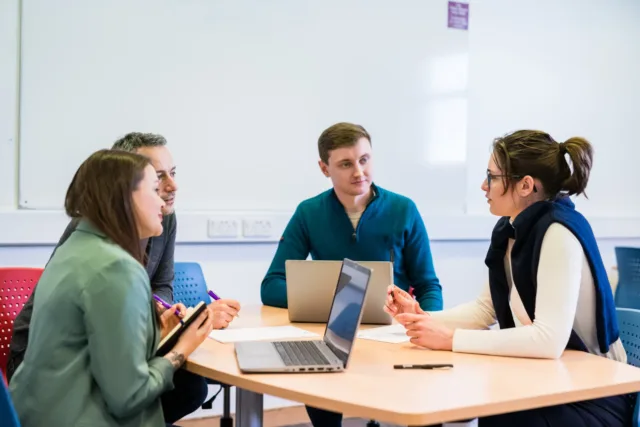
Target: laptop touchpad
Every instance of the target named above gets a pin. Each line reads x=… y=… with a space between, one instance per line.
x=258 y=354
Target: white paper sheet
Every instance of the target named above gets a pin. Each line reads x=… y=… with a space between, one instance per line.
x=394 y=334
x=260 y=334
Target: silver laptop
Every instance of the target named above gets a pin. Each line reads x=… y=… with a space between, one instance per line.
x=329 y=355
x=311 y=285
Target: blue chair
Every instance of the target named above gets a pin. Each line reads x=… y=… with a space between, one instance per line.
x=629 y=325
x=8 y=416
x=189 y=288
x=628 y=289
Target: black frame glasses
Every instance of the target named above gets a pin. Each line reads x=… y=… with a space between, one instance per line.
x=491 y=176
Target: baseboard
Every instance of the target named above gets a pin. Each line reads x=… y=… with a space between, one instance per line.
x=277 y=417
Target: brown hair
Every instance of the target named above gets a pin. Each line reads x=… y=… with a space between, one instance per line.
x=340 y=135
x=102 y=192
x=537 y=154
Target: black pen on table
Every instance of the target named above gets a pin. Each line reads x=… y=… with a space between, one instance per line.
x=425 y=366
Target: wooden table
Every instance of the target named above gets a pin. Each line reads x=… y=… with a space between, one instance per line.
x=370 y=388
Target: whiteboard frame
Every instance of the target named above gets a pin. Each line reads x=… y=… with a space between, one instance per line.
x=291 y=106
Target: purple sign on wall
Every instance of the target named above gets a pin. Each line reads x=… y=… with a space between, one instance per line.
x=458 y=15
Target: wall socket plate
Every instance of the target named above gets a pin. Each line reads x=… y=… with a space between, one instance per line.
x=223 y=228
x=257 y=227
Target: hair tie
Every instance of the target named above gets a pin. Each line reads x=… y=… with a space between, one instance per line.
x=563 y=148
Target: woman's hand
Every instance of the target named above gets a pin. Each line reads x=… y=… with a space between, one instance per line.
x=191 y=338
x=169 y=319
x=426 y=331
x=223 y=312
x=399 y=301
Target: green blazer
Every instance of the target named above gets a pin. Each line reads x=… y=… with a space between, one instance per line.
x=90 y=355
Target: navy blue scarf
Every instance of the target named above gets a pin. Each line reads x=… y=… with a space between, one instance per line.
x=528 y=230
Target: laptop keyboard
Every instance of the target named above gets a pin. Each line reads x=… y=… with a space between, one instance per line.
x=300 y=353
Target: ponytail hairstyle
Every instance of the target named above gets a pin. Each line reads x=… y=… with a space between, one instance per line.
x=537 y=154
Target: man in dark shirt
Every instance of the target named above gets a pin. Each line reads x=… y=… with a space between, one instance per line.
x=190 y=390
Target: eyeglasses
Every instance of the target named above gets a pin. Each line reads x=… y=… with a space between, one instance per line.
x=491 y=176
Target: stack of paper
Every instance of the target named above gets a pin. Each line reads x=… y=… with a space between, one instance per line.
x=392 y=334
x=260 y=334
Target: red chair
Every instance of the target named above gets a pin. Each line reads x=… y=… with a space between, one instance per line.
x=16 y=286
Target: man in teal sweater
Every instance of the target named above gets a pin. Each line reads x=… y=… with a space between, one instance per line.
x=357 y=220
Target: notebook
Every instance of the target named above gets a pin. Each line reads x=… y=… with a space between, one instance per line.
x=169 y=341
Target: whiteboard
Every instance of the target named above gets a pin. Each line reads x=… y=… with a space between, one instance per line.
x=242 y=90
x=567 y=67
x=9 y=54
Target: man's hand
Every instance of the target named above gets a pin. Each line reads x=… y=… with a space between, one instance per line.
x=223 y=311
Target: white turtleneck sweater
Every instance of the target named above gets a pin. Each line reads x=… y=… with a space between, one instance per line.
x=565 y=300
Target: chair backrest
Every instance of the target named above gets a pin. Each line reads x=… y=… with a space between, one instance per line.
x=16 y=286
x=189 y=286
x=628 y=288
x=629 y=326
x=8 y=416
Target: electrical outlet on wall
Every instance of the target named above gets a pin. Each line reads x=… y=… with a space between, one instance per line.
x=257 y=227
x=223 y=228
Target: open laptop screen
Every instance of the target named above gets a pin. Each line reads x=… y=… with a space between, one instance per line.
x=346 y=309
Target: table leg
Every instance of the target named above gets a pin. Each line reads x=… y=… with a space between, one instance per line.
x=466 y=423
x=248 y=408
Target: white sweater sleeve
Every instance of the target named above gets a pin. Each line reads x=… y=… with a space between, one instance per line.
x=478 y=314
x=559 y=277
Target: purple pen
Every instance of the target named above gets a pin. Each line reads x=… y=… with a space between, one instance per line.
x=216 y=297
x=167 y=305
x=213 y=295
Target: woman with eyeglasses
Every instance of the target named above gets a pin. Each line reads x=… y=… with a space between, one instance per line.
x=545 y=276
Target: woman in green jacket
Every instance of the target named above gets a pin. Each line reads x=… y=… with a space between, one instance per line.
x=90 y=359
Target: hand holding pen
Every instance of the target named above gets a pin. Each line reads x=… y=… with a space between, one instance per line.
x=399 y=301
x=224 y=310
x=232 y=304
x=178 y=312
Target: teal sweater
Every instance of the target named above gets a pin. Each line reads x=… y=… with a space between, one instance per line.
x=390 y=229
